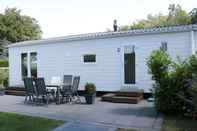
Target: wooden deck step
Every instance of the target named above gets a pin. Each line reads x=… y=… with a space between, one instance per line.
x=129 y=94
x=122 y=99
x=131 y=100
x=107 y=97
x=15 y=92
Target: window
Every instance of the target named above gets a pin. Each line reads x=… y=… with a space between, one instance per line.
x=24 y=64
x=164 y=46
x=33 y=64
x=91 y=58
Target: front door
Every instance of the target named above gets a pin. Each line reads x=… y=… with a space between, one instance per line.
x=129 y=65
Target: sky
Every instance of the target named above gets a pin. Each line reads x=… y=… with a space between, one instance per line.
x=66 y=17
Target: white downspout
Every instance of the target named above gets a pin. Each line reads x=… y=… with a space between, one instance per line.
x=192 y=43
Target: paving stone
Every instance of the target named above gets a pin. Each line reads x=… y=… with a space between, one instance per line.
x=142 y=115
x=82 y=127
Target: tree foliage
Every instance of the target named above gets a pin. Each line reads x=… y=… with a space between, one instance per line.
x=193 y=15
x=4 y=63
x=15 y=27
x=176 y=16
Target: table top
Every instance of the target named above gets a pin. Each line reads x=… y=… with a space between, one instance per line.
x=59 y=85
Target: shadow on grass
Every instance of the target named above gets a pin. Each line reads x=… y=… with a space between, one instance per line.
x=179 y=123
x=138 y=111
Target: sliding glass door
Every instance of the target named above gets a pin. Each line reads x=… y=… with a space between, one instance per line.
x=24 y=65
x=29 y=64
x=33 y=64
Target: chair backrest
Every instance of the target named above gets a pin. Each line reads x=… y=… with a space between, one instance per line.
x=67 y=79
x=76 y=81
x=55 y=80
x=29 y=86
x=40 y=86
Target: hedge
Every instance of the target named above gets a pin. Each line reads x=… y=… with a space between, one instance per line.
x=3 y=63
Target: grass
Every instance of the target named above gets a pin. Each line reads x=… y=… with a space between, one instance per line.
x=122 y=129
x=173 y=123
x=15 y=122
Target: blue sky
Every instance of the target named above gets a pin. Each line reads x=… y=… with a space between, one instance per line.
x=65 y=17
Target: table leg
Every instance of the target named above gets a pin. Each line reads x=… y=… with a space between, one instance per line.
x=58 y=96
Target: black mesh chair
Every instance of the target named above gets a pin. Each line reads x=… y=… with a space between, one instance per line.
x=42 y=94
x=75 y=87
x=30 y=90
x=66 y=90
x=67 y=80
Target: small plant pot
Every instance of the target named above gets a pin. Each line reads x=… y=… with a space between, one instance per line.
x=90 y=98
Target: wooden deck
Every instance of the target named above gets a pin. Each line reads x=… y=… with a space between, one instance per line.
x=124 y=96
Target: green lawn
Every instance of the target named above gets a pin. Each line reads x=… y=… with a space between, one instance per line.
x=15 y=122
x=172 y=123
x=122 y=129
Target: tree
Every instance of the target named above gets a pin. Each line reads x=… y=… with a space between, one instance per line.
x=176 y=16
x=3 y=50
x=193 y=15
x=15 y=27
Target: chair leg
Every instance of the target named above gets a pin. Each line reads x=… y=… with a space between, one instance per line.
x=53 y=95
x=37 y=100
x=30 y=98
x=42 y=101
x=33 y=99
x=25 y=98
x=71 y=99
x=47 y=99
x=78 y=98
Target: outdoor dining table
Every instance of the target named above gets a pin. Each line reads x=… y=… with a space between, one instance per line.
x=58 y=88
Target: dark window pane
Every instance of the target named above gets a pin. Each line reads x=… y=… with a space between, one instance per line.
x=24 y=64
x=33 y=64
x=89 y=58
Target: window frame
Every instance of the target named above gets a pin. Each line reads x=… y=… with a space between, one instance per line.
x=134 y=47
x=83 y=59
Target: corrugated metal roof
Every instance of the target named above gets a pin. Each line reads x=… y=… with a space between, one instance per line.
x=102 y=35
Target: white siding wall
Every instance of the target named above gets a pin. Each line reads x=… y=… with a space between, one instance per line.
x=66 y=58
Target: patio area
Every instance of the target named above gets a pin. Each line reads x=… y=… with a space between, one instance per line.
x=140 y=116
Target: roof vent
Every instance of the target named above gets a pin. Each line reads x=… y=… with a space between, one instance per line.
x=115 y=25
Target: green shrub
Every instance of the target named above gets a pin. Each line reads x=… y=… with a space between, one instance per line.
x=3 y=77
x=189 y=92
x=178 y=75
x=192 y=64
x=159 y=64
x=5 y=82
x=189 y=96
x=90 y=88
x=169 y=80
x=3 y=63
